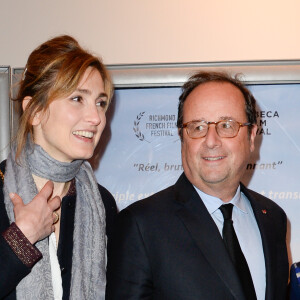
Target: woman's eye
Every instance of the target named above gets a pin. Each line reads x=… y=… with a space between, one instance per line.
x=102 y=103
x=77 y=98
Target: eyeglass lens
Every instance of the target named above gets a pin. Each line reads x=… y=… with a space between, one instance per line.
x=226 y=128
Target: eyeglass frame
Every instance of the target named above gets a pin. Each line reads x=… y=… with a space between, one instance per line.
x=184 y=125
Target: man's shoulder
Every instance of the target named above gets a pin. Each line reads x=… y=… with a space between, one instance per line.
x=257 y=198
x=165 y=198
x=158 y=209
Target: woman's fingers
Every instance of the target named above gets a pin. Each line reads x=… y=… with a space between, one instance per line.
x=54 y=203
x=36 y=218
x=16 y=199
x=46 y=192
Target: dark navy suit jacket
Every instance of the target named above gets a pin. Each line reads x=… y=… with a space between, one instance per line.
x=168 y=247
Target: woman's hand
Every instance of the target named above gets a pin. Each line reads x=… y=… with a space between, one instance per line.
x=36 y=218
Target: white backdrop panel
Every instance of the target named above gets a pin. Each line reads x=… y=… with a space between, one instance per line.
x=4 y=112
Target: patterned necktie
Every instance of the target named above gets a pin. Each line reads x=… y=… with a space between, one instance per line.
x=235 y=252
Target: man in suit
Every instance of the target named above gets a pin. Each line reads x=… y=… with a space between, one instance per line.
x=173 y=245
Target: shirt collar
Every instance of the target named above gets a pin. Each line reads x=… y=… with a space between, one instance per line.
x=213 y=203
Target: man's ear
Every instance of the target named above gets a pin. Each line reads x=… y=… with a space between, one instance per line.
x=252 y=137
x=180 y=133
x=36 y=119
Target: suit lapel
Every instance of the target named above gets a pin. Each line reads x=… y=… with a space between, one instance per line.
x=264 y=221
x=203 y=230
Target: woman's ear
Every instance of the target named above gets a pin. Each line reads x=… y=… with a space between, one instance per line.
x=36 y=119
x=25 y=102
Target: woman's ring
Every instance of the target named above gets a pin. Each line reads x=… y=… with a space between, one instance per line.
x=56 y=217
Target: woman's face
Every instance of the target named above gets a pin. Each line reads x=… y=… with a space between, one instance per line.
x=72 y=126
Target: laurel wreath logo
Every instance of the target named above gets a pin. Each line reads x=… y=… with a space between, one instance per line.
x=136 y=128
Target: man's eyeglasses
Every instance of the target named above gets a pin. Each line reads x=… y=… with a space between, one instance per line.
x=224 y=128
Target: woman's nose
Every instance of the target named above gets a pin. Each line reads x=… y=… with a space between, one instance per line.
x=93 y=114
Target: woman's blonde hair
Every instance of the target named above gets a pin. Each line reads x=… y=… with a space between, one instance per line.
x=53 y=70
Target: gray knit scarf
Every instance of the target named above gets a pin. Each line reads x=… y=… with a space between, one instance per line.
x=88 y=278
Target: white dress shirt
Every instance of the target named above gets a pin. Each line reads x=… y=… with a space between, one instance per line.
x=247 y=232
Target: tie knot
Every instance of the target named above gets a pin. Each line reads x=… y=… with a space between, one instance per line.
x=226 y=210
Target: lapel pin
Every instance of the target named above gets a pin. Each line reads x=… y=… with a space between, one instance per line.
x=264 y=211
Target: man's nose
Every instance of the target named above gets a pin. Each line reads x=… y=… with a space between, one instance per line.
x=212 y=138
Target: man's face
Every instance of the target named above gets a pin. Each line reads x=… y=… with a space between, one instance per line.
x=215 y=165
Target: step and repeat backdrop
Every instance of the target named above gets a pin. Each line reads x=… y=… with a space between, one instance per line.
x=139 y=152
x=142 y=153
